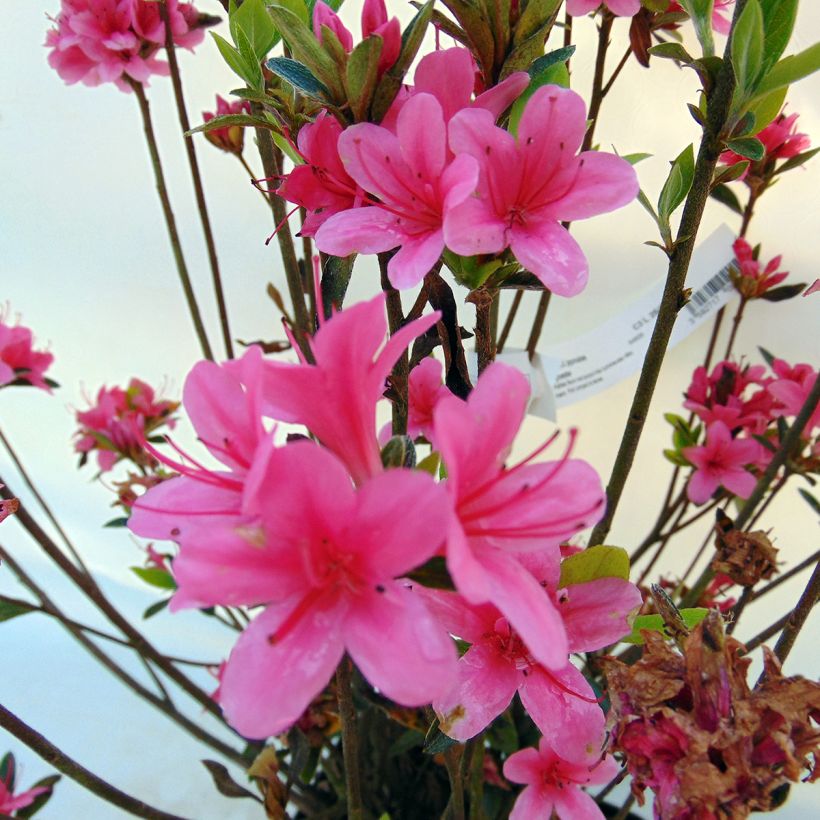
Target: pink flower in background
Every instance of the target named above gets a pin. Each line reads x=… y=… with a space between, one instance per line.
x=8 y=506
x=117 y=425
x=336 y=397
x=99 y=41
x=620 y=8
x=721 y=14
x=721 y=461
x=374 y=23
x=502 y=512
x=410 y=174
x=229 y=138
x=224 y=406
x=754 y=279
x=529 y=185
x=322 y=185
x=554 y=779
x=9 y=801
x=450 y=76
x=19 y=361
x=790 y=388
x=812 y=288
x=323 y=558
x=425 y=389
x=780 y=139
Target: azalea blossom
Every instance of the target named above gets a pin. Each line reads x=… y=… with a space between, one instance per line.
x=9 y=801
x=554 y=778
x=503 y=512
x=530 y=184
x=424 y=390
x=323 y=559
x=790 y=388
x=336 y=397
x=322 y=186
x=721 y=461
x=99 y=41
x=560 y=701
x=19 y=362
x=620 y=8
x=229 y=138
x=374 y=23
x=119 y=422
x=779 y=138
x=415 y=185
x=754 y=280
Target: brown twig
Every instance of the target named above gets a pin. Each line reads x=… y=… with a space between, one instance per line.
x=799 y=616
x=170 y=221
x=597 y=97
x=786 y=576
x=401 y=370
x=484 y=339
x=196 y=177
x=538 y=322
x=350 y=740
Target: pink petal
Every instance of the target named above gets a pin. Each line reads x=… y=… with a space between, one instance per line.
x=523 y=766
x=266 y=687
x=359 y=230
x=550 y=252
x=701 y=487
x=571 y=724
x=740 y=482
x=459 y=618
x=500 y=97
x=531 y=803
x=399 y=646
x=415 y=259
x=459 y=180
x=624 y=8
x=574 y=804
x=449 y=75
x=486 y=685
x=374 y=14
x=323 y=15
x=473 y=227
x=423 y=136
x=604 y=183
x=468 y=573
x=577 y=8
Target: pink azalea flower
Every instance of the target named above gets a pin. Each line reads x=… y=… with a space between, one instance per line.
x=755 y=280
x=779 y=138
x=424 y=391
x=19 y=361
x=10 y=802
x=530 y=184
x=812 y=288
x=374 y=23
x=721 y=461
x=228 y=421
x=8 y=506
x=620 y=8
x=230 y=138
x=99 y=41
x=450 y=76
x=322 y=185
x=117 y=425
x=554 y=779
x=791 y=389
x=415 y=184
x=336 y=397
x=501 y=513
x=498 y=663
x=323 y=559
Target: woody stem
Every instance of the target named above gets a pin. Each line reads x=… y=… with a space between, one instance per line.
x=350 y=740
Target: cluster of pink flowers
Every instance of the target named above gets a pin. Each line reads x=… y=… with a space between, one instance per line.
x=229 y=138
x=324 y=537
x=779 y=138
x=738 y=405
x=119 y=423
x=19 y=361
x=439 y=173
x=102 y=41
x=754 y=280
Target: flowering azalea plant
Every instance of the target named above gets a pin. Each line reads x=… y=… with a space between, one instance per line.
x=428 y=620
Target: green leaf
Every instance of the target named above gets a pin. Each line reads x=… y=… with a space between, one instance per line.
x=13 y=609
x=553 y=73
x=796 y=161
x=778 y=25
x=767 y=356
x=8 y=770
x=253 y=20
x=155 y=608
x=435 y=741
x=41 y=799
x=810 y=499
x=299 y=76
x=725 y=195
x=155 y=576
x=593 y=563
x=729 y=173
x=784 y=292
x=301 y=10
x=430 y=464
x=559 y=55
x=535 y=14
x=399 y=452
x=672 y=51
x=701 y=13
x=232 y=57
x=789 y=70
x=362 y=76
x=306 y=49
x=749 y=147
x=634 y=159
x=254 y=78
x=233 y=119
x=766 y=109
x=117 y=522
x=286 y=148
x=433 y=574
x=409 y=739
x=654 y=623
x=747 y=48
x=677 y=184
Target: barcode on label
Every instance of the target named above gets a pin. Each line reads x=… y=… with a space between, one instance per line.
x=715 y=285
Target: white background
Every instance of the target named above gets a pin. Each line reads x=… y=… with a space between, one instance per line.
x=85 y=261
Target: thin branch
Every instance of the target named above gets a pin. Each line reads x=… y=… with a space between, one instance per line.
x=597 y=97
x=786 y=576
x=538 y=322
x=196 y=177
x=767 y=633
x=401 y=370
x=798 y=617
x=69 y=767
x=170 y=221
x=350 y=740
x=618 y=69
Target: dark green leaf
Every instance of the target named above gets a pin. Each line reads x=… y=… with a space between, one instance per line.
x=231 y=55
x=784 y=292
x=155 y=608
x=41 y=799
x=729 y=173
x=810 y=499
x=224 y=783
x=233 y=119
x=747 y=48
x=672 y=51
x=8 y=770
x=654 y=623
x=117 y=522
x=790 y=69
x=13 y=609
x=408 y=740
x=362 y=75
x=796 y=161
x=433 y=574
x=436 y=741
x=749 y=147
x=253 y=20
x=472 y=17
x=155 y=576
x=399 y=452
x=778 y=24
x=725 y=195
x=701 y=13
x=535 y=15
x=677 y=184
x=767 y=357
x=765 y=109
x=560 y=55
x=299 y=76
